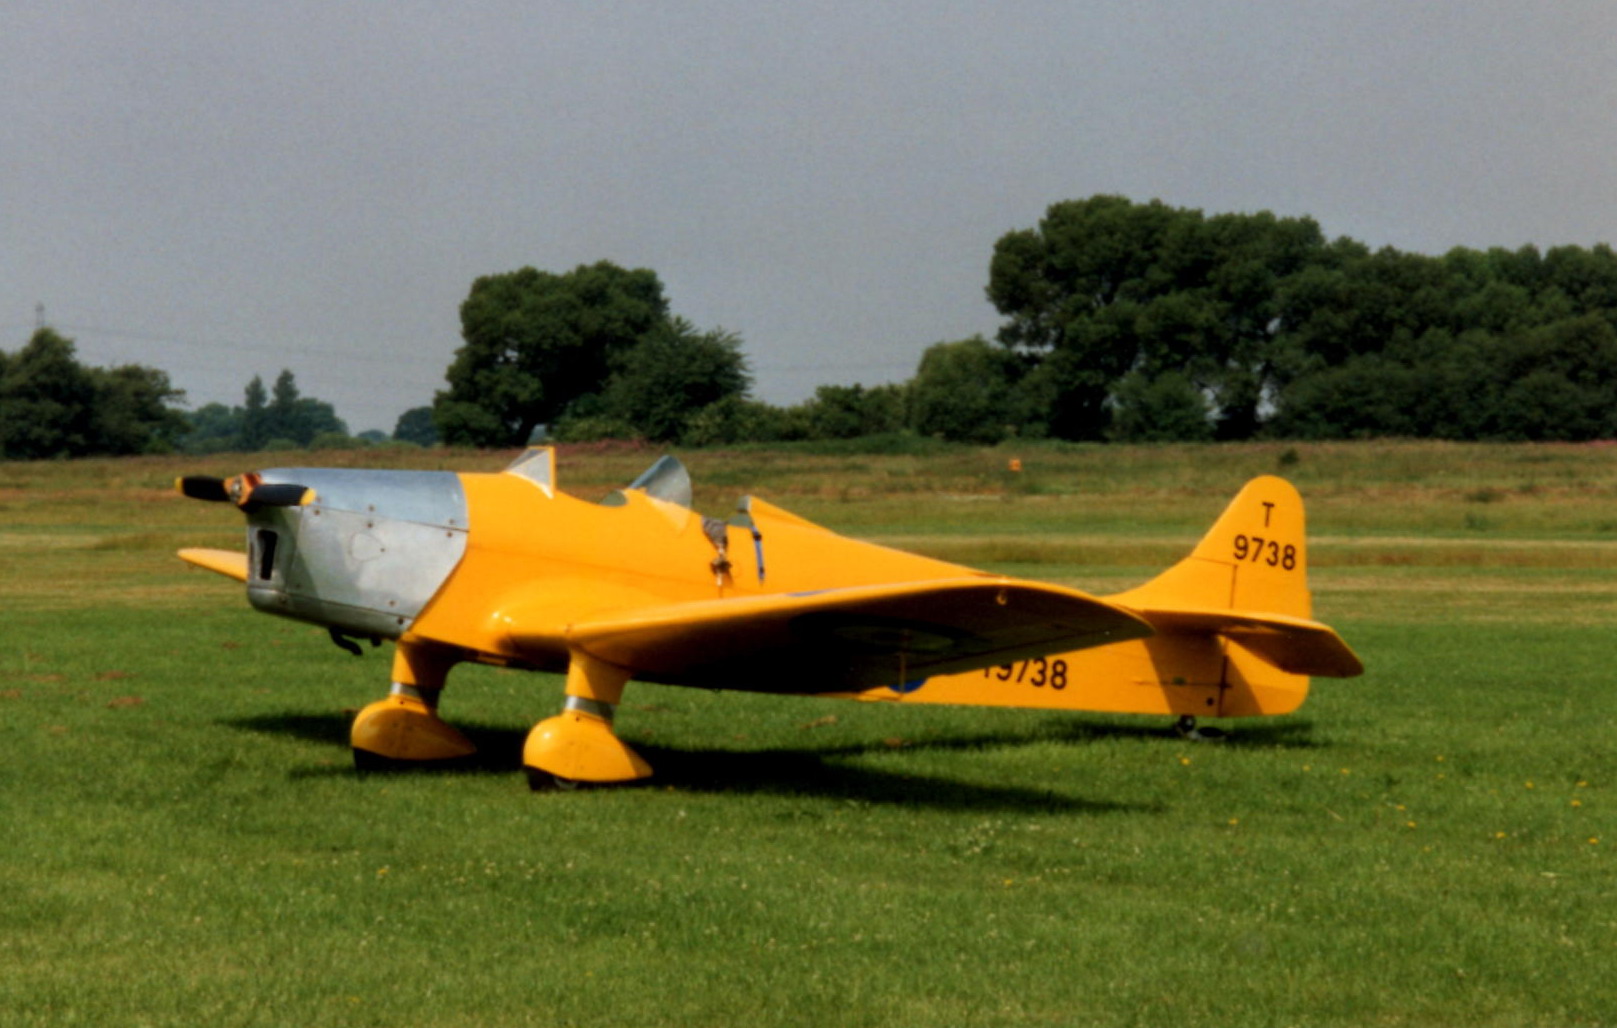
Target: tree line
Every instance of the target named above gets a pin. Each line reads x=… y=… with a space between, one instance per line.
x=1142 y=321
x=1122 y=321
x=52 y=405
x=281 y=418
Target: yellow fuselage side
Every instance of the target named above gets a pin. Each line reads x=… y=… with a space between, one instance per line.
x=1195 y=675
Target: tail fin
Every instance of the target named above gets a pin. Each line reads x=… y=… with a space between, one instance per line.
x=1247 y=580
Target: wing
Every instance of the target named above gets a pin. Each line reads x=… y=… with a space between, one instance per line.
x=848 y=639
x=224 y=562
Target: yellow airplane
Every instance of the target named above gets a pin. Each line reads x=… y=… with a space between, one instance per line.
x=505 y=569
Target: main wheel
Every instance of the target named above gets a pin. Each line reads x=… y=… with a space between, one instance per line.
x=544 y=781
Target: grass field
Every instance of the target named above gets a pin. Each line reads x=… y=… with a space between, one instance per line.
x=185 y=841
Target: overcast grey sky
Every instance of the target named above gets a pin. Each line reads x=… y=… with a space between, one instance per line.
x=222 y=189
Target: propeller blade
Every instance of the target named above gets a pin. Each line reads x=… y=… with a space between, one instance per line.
x=278 y=494
x=202 y=487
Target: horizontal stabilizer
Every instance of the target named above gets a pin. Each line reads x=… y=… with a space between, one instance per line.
x=1298 y=646
x=853 y=638
x=224 y=562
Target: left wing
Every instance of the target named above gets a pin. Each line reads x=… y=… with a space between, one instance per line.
x=229 y=563
x=838 y=640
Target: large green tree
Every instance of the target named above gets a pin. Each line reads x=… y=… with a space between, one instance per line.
x=535 y=342
x=1142 y=321
x=47 y=401
x=133 y=413
x=415 y=426
x=967 y=391
x=673 y=374
x=1106 y=290
x=1070 y=291
x=53 y=406
x=1495 y=344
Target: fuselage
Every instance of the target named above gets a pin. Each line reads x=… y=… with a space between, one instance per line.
x=467 y=565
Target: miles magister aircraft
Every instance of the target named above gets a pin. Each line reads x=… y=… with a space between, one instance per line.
x=504 y=569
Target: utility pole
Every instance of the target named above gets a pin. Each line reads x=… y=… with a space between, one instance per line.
x=39 y=316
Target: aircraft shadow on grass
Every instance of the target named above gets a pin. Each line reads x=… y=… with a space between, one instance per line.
x=808 y=770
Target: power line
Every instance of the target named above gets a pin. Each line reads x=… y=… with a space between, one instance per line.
x=236 y=346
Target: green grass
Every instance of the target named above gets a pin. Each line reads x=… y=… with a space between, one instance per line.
x=1431 y=844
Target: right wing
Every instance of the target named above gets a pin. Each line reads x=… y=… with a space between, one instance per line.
x=839 y=640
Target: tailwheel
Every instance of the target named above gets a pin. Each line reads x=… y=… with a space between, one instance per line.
x=1187 y=728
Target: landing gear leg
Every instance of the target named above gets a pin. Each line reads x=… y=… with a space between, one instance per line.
x=405 y=730
x=578 y=745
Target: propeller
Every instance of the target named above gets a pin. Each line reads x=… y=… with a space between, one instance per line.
x=202 y=487
x=247 y=491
